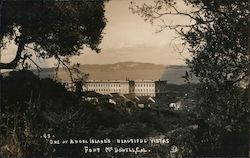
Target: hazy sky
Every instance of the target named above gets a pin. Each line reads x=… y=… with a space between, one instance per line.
x=127 y=37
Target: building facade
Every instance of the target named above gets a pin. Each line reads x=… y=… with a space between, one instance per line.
x=138 y=87
x=145 y=88
x=107 y=86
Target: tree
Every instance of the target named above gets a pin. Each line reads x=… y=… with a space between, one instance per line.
x=217 y=39
x=50 y=28
x=44 y=29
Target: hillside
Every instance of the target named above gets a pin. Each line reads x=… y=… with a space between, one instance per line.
x=128 y=70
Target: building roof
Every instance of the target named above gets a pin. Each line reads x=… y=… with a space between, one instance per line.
x=120 y=81
x=119 y=97
x=132 y=97
x=146 y=99
x=106 y=81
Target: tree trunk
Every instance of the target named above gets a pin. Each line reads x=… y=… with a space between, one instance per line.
x=14 y=62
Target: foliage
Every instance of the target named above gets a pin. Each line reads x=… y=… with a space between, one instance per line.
x=25 y=102
x=51 y=28
x=216 y=38
x=32 y=106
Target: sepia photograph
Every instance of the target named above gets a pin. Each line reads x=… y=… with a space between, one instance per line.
x=124 y=78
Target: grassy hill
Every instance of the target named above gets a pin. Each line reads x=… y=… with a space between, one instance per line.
x=127 y=70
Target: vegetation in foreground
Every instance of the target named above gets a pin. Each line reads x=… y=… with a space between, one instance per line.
x=33 y=106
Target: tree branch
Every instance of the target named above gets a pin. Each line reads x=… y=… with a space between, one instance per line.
x=14 y=62
x=37 y=66
x=240 y=79
x=66 y=66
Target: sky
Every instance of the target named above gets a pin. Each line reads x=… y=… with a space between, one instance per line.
x=127 y=37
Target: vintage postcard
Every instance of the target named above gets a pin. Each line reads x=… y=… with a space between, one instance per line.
x=124 y=78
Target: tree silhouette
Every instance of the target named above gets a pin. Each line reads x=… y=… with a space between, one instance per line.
x=50 y=28
x=217 y=38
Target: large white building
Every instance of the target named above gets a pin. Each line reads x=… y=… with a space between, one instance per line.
x=138 y=87
x=107 y=86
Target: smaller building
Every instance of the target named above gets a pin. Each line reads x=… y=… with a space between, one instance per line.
x=176 y=105
x=144 y=88
x=96 y=98
x=145 y=102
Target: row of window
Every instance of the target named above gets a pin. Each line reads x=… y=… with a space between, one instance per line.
x=144 y=90
x=144 y=85
x=118 y=90
x=104 y=85
x=118 y=85
x=105 y=90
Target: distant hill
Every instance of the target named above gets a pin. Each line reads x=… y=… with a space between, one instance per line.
x=127 y=70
